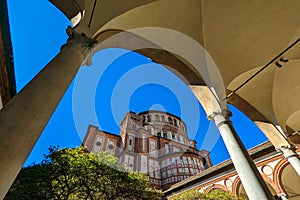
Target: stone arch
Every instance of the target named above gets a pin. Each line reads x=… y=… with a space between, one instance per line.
x=277 y=172
x=271 y=183
x=288 y=31
x=121 y=39
x=238 y=188
x=210 y=89
x=280 y=171
x=235 y=183
x=187 y=72
x=216 y=186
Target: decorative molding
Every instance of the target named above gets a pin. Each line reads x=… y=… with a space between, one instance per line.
x=221 y=112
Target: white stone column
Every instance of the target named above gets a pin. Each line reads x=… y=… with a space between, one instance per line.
x=252 y=181
x=291 y=156
x=23 y=119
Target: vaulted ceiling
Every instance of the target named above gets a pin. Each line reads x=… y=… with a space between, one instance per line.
x=240 y=36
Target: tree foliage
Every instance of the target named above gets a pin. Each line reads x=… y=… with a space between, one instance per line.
x=213 y=195
x=76 y=174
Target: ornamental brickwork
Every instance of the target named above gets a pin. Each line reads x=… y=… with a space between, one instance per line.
x=154 y=143
x=280 y=177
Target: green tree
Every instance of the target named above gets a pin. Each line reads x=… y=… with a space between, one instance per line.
x=213 y=195
x=31 y=182
x=76 y=174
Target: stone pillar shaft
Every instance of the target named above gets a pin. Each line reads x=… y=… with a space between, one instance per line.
x=252 y=181
x=292 y=157
x=23 y=119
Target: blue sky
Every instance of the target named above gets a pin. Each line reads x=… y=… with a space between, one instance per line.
x=118 y=81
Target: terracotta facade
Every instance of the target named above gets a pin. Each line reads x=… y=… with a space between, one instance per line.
x=281 y=178
x=154 y=143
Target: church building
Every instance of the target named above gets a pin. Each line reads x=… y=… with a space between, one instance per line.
x=154 y=143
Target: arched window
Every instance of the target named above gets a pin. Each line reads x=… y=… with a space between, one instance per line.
x=144 y=119
x=165 y=135
x=175 y=122
x=163 y=119
x=170 y=120
x=149 y=118
x=157 y=118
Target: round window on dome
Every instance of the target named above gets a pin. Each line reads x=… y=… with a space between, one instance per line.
x=110 y=146
x=98 y=144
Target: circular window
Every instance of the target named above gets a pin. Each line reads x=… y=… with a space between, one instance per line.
x=98 y=143
x=110 y=146
x=267 y=170
x=228 y=183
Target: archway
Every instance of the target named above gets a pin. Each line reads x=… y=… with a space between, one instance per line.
x=240 y=191
x=290 y=182
x=211 y=96
x=216 y=187
x=189 y=71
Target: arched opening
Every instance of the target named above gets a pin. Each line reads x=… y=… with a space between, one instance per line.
x=157 y=118
x=175 y=122
x=171 y=62
x=217 y=190
x=244 y=39
x=290 y=182
x=170 y=120
x=149 y=118
x=144 y=119
x=242 y=193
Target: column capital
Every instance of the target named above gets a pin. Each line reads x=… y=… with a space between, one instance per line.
x=220 y=112
x=220 y=116
x=81 y=42
x=288 y=150
x=292 y=156
x=223 y=112
x=290 y=146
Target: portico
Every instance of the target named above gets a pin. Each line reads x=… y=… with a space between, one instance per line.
x=236 y=40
